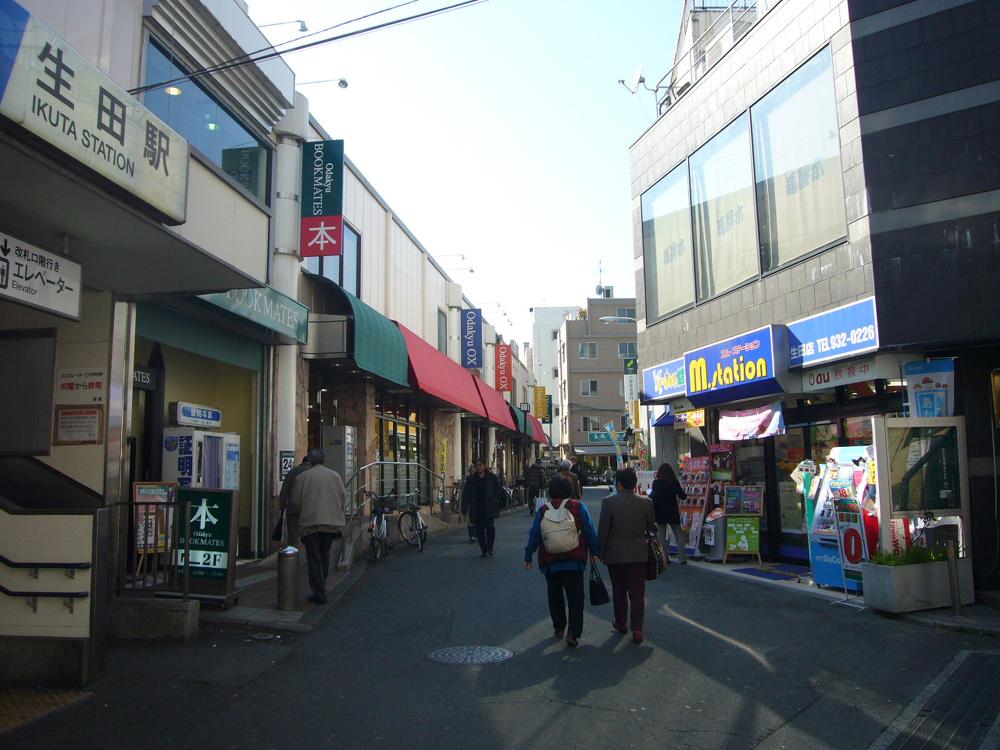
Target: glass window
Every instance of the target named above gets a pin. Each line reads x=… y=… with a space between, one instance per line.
x=191 y=111
x=626 y=349
x=588 y=350
x=666 y=245
x=588 y=387
x=722 y=194
x=796 y=151
x=923 y=467
x=442 y=331
x=625 y=312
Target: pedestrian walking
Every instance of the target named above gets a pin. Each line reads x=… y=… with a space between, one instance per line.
x=471 y=526
x=566 y=470
x=665 y=493
x=626 y=521
x=318 y=505
x=285 y=497
x=563 y=533
x=580 y=470
x=481 y=501
x=534 y=478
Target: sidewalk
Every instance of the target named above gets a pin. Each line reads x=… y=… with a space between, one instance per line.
x=977 y=619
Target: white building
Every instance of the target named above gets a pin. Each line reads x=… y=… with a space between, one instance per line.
x=545 y=324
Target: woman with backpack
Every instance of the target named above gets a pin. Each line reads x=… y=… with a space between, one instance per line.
x=563 y=533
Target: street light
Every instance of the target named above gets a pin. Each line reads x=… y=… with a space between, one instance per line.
x=618 y=320
x=342 y=82
x=302 y=24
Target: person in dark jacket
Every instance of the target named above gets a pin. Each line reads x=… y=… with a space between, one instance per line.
x=626 y=521
x=665 y=493
x=564 y=571
x=481 y=501
x=534 y=477
x=580 y=471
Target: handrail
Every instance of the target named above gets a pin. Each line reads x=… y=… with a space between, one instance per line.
x=393 y=463
x=45 y=565
x=40 y=594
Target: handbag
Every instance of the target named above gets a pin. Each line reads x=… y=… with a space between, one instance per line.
x=656 y=560
x=598 y=591
x=279 y=527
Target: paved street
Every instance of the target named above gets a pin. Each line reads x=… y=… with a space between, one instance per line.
x=726 y=664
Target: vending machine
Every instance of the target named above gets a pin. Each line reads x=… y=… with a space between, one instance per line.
x=201 y=458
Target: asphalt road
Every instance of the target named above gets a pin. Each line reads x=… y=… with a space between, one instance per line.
x=726 y=664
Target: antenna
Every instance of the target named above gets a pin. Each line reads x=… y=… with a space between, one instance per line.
x=637 y=80
x=600 y=275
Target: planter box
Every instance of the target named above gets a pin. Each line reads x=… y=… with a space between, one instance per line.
x=909 y=588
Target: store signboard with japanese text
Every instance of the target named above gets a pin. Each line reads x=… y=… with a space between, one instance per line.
x=35 y=277
x=836 y=334
x=692 y=418
x=53 y=91
x=742 y=535
x=81 y=385
x=211 y=556
x=195 y=415
x=504 y=382
x=604 y=436
x=268 y=308
x=472 y=338
x=321 y=230
x=663 y=381
x=872 y=367
x=740 y=367
x=540 y=402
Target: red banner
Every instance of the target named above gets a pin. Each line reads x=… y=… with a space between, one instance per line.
x=321 y=235
x=503 y=379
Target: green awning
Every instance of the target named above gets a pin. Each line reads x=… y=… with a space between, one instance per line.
x=378 y=346
x=523 y=425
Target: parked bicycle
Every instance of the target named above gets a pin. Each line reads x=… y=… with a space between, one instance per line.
x=412 y=527
x=378 y=525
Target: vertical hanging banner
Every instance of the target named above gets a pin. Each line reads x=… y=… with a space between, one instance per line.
x=472 y=339
x=539 y=407
x=548 y=410
x=321 y=230
x=930 y=387
x=503 y=379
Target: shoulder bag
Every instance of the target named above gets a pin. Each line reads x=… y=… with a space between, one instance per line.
x=598 y=591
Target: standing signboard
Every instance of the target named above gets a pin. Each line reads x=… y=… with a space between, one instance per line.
x=694 y=478
x=212 y=561
x=742 y=536
x=154 y=517
x=321 y=230
x=472 y=339
x=851 y=535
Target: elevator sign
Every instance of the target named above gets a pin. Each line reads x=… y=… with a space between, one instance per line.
x=37 y=278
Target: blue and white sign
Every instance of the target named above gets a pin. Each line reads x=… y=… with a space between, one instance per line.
x=663 y=381
x=836 y=334
x=736 y=368
x=196 y=415
x=930 y=387
x=472 y=339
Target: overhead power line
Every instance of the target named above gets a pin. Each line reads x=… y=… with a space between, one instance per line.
x=271 y=51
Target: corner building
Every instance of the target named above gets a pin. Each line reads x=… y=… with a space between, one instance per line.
x=815 y=207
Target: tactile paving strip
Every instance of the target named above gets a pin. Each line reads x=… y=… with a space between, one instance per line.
x=21 y=705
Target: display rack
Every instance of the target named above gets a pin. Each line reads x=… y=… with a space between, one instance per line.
x=695 y=478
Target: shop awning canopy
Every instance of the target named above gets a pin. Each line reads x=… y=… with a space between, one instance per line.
x=496 y=405
x=521 y=419
x=537 y=431
x=664 y=420
x=594 y=450
x=436 y=374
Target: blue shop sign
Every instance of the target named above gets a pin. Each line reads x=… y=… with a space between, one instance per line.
x=737 y=368
x=196 y=415
x=836 y=334
x=472 y=339
x=665 y=380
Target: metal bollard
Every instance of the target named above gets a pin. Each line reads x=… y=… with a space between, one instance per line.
x=288 y=578
x=956 y=594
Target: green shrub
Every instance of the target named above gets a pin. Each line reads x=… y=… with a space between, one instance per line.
x=915 y=555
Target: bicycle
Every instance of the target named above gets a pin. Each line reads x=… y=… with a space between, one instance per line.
x=412 y=527
x=378 y=526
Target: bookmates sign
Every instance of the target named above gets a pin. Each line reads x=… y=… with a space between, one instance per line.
x=322 y=228
x=53 y=91
x=472 y=339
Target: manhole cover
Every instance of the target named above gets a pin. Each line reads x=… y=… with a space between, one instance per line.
x=262 y=636
x=470 y=655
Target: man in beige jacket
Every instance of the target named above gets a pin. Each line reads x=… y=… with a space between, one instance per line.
x=317 y=509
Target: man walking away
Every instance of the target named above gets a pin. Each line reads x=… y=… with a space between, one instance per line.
x=318 y=503
x=626 y=521
x=578 y=469
x=566 y=470
x=535 y=479
x=481 y=501
x=285 y=497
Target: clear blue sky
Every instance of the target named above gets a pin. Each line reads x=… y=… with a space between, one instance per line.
x=498 y=131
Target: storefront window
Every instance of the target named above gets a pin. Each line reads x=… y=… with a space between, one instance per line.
x=822 y=439
x=666 y=245
x=193 y=112
x=722 y=194
x=343 y=270
x=796 y=149
x=924 y=469
x=404 y=446
x=858 y=430
x=789 y=450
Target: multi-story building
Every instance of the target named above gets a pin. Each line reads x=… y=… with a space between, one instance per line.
x=591 y=378
x=817 y=204
x=545 y=325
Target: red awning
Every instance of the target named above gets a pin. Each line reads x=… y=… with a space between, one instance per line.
x=434 y=373
x=537 y=432
x=496 y=405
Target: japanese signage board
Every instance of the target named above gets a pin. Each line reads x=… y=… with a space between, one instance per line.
x=851 y=533
x=211 y=546
x=663 y=381
x=739 y=367
x=472 y=338
x=36 y=277
x=267 y=307
x=692 y=418
x=836 y=334
x=153 y=520
x=631 y=387
x=742 y=535
x=286 y=462
x=322 y=223
x=78 y=425
x=54 y=92
x=605 y=436
x=80 y=385
x=540 y=402
x=630 y=366
x=504 y=382
x=195 y=415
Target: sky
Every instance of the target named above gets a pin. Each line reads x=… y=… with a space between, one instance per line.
x=498 y=132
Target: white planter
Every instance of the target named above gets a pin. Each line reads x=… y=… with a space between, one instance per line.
x=909 y=588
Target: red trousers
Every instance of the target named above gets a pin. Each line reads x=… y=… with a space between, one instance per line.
x=628 y=586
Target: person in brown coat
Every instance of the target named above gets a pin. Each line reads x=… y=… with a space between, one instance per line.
x=626 y=521
x=566 y=470
x=317 y=505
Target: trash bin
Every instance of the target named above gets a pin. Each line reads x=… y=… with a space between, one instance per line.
x=716 y=524
x=288 y=578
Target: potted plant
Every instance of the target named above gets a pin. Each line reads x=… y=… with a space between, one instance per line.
x=915 y=580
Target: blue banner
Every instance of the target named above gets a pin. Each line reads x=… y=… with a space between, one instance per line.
x=13 y=22
x=472 y=339
x=740 y=367
x=665 y=380
x=836 y=334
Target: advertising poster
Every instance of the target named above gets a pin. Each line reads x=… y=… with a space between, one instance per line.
x=752 y=423
x=78 y=425
x=930 y=387
x=153 y=518
x=851 y=534
x=742 y=535
x=722 y=462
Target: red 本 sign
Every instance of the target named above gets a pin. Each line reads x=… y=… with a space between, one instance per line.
x=503 y=379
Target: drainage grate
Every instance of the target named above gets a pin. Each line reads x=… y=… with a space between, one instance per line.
x=465 y=655
x=959 y=709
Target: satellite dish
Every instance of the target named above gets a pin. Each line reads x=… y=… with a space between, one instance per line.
x=636 y=79
x=599 y=290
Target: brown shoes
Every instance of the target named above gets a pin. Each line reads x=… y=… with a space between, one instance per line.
x=620 y=628
x=637 y=636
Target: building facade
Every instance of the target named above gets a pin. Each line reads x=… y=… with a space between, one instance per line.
x=545 y=325
x=821 y=165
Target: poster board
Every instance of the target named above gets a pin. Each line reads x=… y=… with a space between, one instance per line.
x=695 y=479
x=742 y=536
x=153 y=525
x=213 y=541
x=744 y=499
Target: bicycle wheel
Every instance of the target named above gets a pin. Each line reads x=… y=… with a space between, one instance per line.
x=375 y=550
x=422 y=534
x=408 y=528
